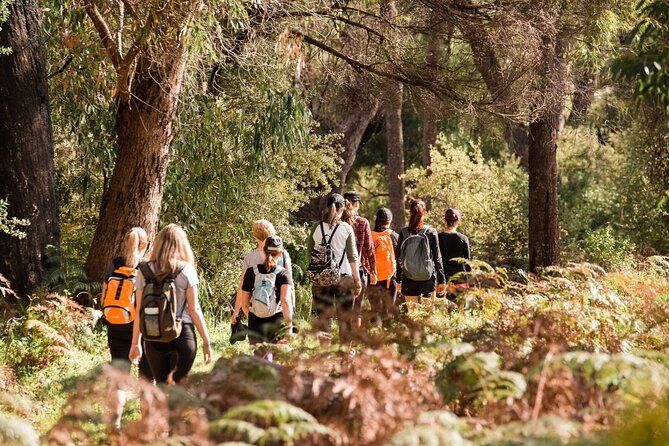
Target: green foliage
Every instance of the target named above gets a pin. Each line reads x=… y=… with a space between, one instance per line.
x=491 y=195
x=647 y=62
x=4 y=14
x=11 y=226
x=267 y=422
x=611 y=251
x=476 y=377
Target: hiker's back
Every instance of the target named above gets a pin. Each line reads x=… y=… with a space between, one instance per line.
x=384 y=253
x=415 y=255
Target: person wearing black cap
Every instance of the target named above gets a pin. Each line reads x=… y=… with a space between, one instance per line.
x=453 y=245
x=336 y=299
x=364 y=244
x=266 y=296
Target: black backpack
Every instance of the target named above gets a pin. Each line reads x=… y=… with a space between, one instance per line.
x=323 y=269
x=159 y=320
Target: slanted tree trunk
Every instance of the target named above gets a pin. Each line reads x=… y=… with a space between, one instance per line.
x=27 y=172
x=144 y=133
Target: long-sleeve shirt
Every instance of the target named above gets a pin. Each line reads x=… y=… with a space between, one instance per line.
x=433 y=242
x=453 y=245
x=365 y=245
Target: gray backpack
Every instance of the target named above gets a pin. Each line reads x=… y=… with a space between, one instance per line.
x=264 y=302
x=416 y=256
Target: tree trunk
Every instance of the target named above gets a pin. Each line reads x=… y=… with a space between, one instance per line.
x=429 y=116
x=395 y=147
x=27 y=172
x=584 y=95
x=353 y=128
x=544 y=237
x=144 y=133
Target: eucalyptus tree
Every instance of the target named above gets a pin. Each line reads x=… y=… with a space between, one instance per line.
x=27 y=178
x=147 y=44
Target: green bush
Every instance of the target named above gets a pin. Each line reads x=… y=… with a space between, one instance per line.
x=603 y=247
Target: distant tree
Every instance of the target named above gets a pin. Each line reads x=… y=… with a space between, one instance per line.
x=27 y=172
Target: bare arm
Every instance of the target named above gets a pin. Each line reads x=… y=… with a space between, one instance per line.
x=246 y=301
x=286 y=306
x=136 y=346
x=196 y=315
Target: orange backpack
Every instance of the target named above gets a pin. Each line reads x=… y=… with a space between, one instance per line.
x=385 y=254
x=118 y=303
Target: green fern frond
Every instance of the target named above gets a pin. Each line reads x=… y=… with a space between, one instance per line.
x=269 y=413
x=288 y=433
x=238 y=430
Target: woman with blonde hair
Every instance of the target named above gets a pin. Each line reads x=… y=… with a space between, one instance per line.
x=116 y=318
x=172 y=256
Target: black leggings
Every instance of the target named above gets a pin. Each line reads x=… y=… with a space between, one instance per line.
x=331 y=301
x=177 y=355
x=119 y=341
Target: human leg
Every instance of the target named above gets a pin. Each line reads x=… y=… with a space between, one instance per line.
x=186 y=349
x=159 y=356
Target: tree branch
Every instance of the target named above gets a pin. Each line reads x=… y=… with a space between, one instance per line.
x=356 y=64
x=67 y=63
x=102 y=28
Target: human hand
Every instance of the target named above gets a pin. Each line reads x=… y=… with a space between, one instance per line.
x=441 y=289
x=206 y=351
x=373 y=279
x=357 y=288
x=135 y=354
x=234 y=318
x=399 y=288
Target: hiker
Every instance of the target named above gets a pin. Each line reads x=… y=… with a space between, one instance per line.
x=172 y=262
x=262 y=229
x=420 y=271
x=118 y=310
x=266 y=291
x=453 y=245
x=333 y=269
x=364 y=245
x=382 y=296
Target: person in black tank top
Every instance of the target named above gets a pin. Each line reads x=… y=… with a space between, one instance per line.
x=453 y=245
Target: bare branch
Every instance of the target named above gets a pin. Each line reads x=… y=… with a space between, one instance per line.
x=102 y=28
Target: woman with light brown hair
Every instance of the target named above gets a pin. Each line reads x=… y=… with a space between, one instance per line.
x=420 y=271
x=172 y=256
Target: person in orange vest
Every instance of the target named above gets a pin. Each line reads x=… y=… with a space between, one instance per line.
x=382 y=296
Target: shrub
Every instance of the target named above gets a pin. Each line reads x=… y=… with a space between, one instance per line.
x=614 y=252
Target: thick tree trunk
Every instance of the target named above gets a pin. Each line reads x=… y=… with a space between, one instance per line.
x=27 y=173
x=144 y=132
x=395 y=147
x=544 y=237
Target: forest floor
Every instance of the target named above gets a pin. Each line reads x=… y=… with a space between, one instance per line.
x=575 y=356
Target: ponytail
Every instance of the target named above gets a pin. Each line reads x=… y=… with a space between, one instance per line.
x=417 y=214
x=331 y=214
x=349 y=213
x=134 y=241
x=271 y=260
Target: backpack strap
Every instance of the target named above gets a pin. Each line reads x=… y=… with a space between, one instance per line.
x=146 y=272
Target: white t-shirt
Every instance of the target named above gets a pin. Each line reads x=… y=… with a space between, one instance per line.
x=187 y=278
x=338 y=243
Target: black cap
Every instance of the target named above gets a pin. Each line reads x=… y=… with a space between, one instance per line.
x=337 y=200
x=452 y=215
x=273 y=244
x=353 y=196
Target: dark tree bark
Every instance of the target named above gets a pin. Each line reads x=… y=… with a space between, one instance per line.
x=584 y=95
x=544 y=236
x=27 y=172
x=144 y=133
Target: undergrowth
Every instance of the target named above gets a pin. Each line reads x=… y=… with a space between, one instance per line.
x=571 y=355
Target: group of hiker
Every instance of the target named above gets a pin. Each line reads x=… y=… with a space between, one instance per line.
x=151 y=307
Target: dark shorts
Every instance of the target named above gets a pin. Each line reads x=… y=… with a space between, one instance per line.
x=414 y=288
x=265 y=329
